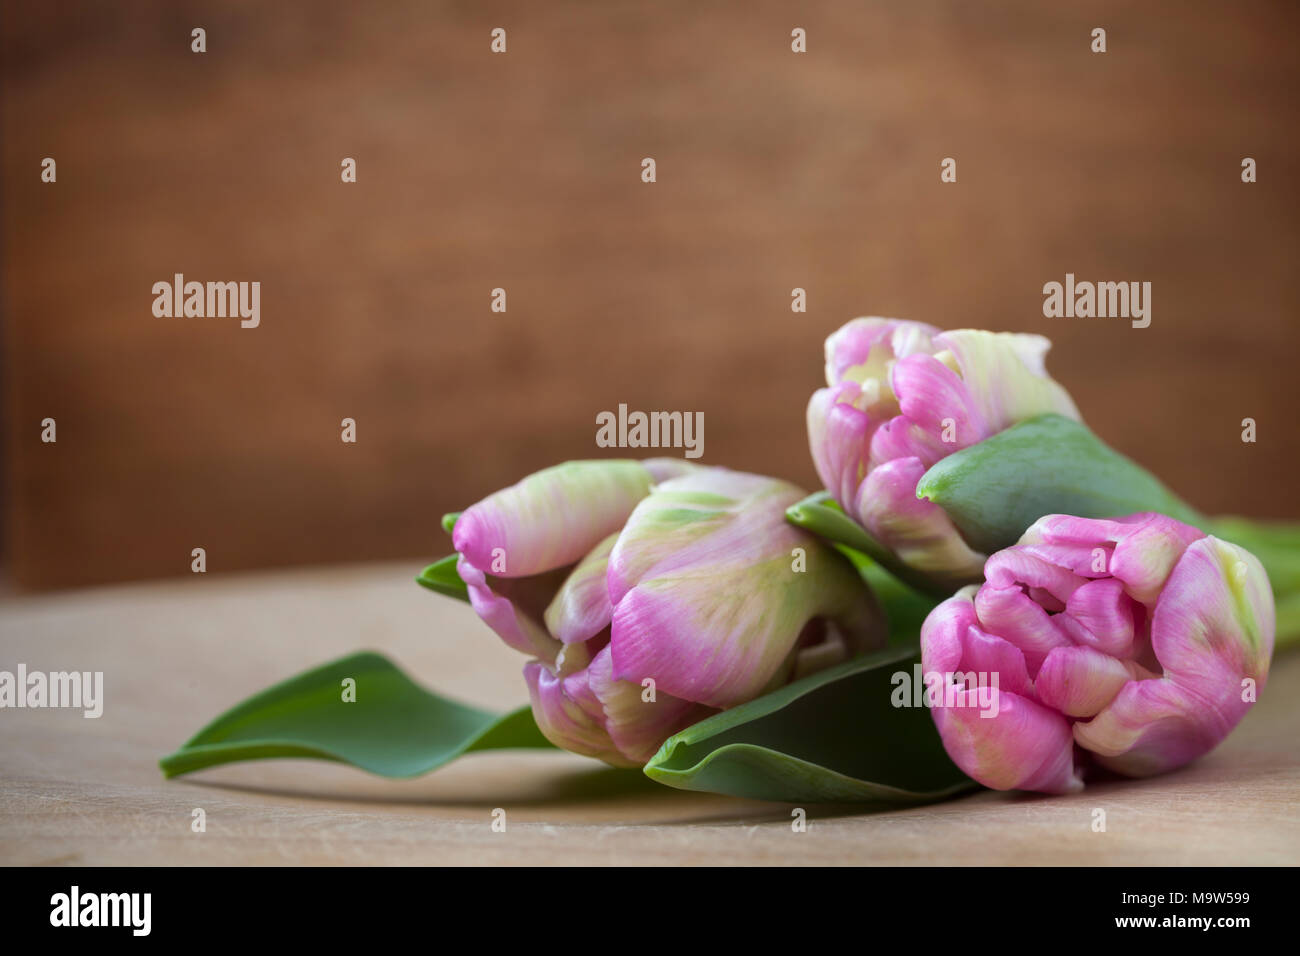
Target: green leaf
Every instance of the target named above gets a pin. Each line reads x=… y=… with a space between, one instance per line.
x=834 y=737
x=394 y=728
x=905 y=608
x=449 y=520
x=994 y=490
x=822 y=515
x=441 y=576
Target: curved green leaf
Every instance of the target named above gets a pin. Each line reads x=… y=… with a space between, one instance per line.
x=822 y=515
x=441 y=576
x=393 y=728
x=834 y=737
x=994 y=490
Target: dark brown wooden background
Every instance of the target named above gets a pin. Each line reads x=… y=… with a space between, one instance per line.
x=476 y=170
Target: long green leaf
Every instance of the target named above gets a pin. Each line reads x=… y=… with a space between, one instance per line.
x=994 y=490
x=834 y=737
x=393 y=728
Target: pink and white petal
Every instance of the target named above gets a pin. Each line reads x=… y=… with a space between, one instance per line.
x=513 y=625
x=582 y=609
x=1073 y=530
x=1025 y=746
x=1015 y=566
x=1214 y=624
x=563 y=720
x=1006 y=375
x=1014 y=616
x=901 y=438
x=551 y=518
x=911 y=338
x=936 y=400
x=1154 y=725
x=723 y=635
x=1144 y=558
x=853 y=343
x=637 y=726
x=987 y=654
x=944 y=630
x=918 y=531
x=720 y=615
x=688 y=516
x=665 y=469
x=839 y=439
x=1081 y=681
x=1084 y=560
x=1100 y=614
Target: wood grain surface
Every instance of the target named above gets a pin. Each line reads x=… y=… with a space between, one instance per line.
x=88 y=791
x=522 y=171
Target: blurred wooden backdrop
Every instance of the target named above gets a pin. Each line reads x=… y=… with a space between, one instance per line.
x=522 y=171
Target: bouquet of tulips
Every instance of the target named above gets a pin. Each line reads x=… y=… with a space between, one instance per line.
x=984 y=594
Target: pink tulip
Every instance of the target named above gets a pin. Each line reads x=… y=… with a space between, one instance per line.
x=903 y=395
x=652 y=594
x=1136 y=644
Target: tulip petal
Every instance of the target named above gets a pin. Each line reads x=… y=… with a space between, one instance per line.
x=1100 y=614
x=668 y=528
x=917 y=530
x=935 y=399
x=1025 y=746
x=512 y=617
x=901 y=438
x=1214 y=625
x=997 y=659
x=582 y=608
x=854 y=342
x=838 y=436
x=1014 y=566
x=1006 y=376
x=1080 y=681
x=638 y=726
x=952 y=643
x=551 y=518
x=1144 y=558
x=1139 y=549
x=1154 y=725
x=943 y=632
x=707 y=598
x=664 y=469
x=564 y=720
x=1016 y=617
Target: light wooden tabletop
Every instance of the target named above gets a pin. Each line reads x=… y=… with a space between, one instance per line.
x=83 y=791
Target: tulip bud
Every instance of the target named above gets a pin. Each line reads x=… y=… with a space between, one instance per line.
x=1137 y=643
x=652 y=594
x=903 y=395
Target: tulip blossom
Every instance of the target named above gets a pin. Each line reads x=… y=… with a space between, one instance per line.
x=903 y=395
x=1136 y=644
x=652 y=594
